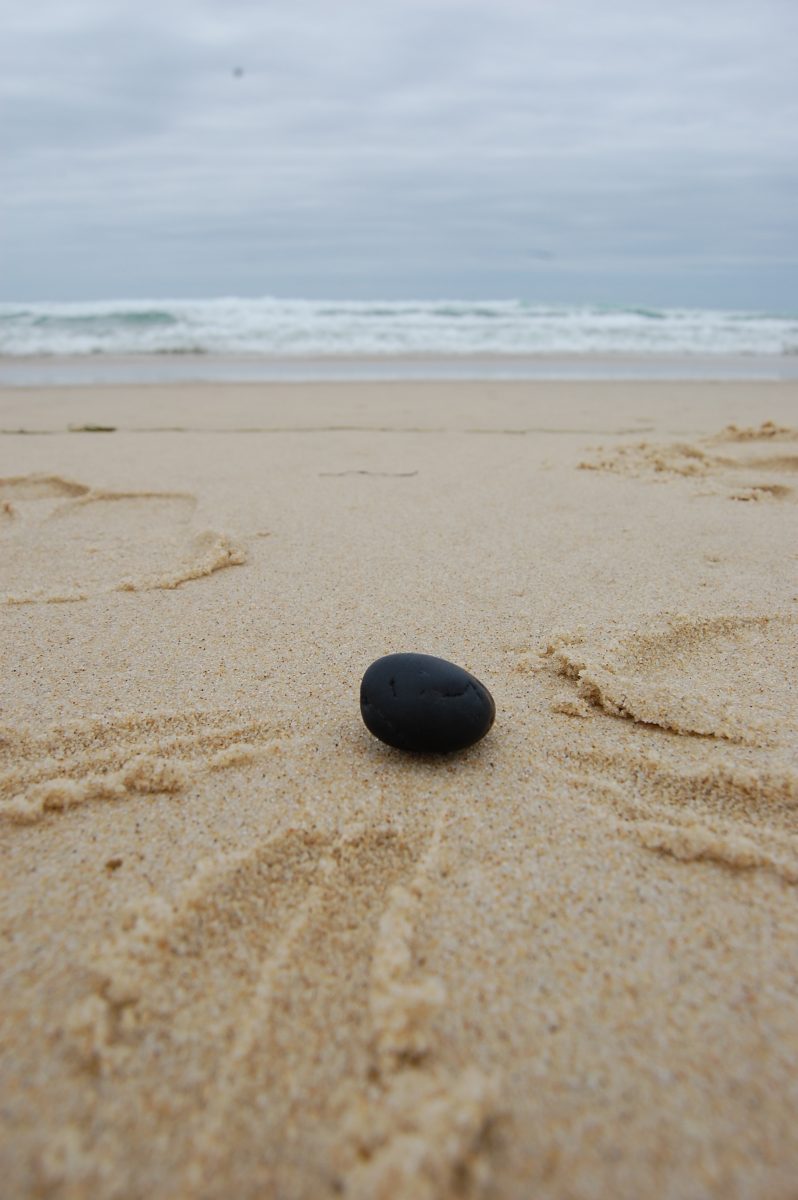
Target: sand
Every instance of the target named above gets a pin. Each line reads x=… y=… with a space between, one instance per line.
x=247 y=950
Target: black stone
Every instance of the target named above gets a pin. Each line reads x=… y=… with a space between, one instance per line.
x=417 y=702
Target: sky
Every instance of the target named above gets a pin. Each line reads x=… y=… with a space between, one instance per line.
x=621 y=152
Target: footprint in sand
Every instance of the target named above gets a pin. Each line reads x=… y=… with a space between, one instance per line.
x=275 y=1011
x=720 y=463
x=720 y=677
x=702 y=766
x=64 y=541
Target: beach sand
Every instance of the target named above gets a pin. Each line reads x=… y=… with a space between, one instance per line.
x=248 y=951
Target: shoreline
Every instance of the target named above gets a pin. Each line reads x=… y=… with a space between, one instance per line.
x=81 y=370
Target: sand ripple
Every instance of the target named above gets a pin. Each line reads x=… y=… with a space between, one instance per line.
x=221 y=1006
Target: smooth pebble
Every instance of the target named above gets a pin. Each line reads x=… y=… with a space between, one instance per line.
x=425 y=704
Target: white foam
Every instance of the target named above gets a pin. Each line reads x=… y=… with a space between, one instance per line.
x=305 y=328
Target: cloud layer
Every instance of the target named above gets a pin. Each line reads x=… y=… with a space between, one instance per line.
x=555 y=151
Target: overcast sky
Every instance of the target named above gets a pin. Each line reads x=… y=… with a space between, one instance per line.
x=624 y=151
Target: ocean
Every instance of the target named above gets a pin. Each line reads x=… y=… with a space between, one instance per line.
x=268 y=337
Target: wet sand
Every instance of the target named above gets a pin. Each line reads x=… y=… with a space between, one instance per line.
x=250 y=951
x=91 y=369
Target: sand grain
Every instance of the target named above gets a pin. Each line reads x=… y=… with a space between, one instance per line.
x=248 y=950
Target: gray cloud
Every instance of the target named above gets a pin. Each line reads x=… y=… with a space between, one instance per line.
x=549 y=150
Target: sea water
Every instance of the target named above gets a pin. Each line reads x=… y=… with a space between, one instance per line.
x=455 y=332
